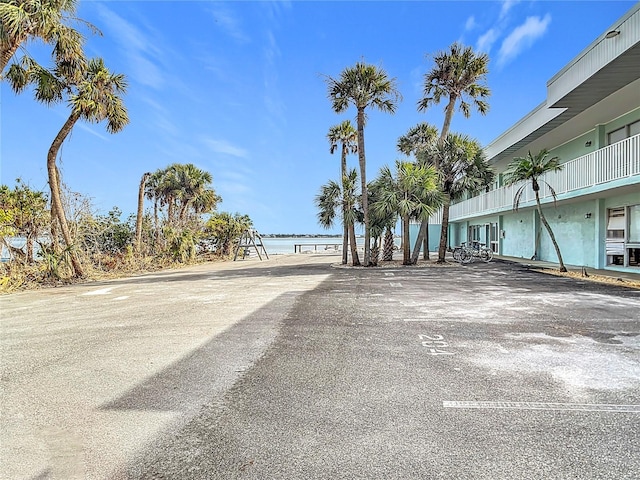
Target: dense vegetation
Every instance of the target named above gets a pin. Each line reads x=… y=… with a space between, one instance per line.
x=55 y=235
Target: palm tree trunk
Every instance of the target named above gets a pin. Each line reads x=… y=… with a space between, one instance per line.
x=448 y=115
x=170 y=209
x=387 y=255
x=355 y=260
x=425 y=244
x=419 y=241
x=551 y=235
x=363 y=187
x=8 y=50
x=55 y=244
x=143 y=182
x=345 y=241
x=29 y=249
x=444 y=232
x=54 y=184
x=406 y=248
x=345 y=227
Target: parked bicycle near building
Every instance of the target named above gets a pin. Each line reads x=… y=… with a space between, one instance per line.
x=467 y=254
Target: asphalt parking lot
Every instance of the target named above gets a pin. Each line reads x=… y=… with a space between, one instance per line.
x=295 y=369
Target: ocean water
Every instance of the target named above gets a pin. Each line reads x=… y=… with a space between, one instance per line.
x=283 y=245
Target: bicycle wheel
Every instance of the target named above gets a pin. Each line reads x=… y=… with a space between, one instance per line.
x=466 y=256
x=457 y=253
x=486 y=255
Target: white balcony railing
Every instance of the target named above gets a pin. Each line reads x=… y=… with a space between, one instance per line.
x=614 y=162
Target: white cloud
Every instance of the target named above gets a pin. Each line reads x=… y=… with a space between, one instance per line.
x=523 y=37
x=229 y=23
x=88 y=129
x=471 y=23
x=486 y=40
x=506 y=6
x=137 y=48
x=224 y=147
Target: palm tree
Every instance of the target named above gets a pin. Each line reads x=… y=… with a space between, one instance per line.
x=532 y=167
x=411 y=193
x=141 y=190
x=363 y=86
x=347 y=137
x=334 y=198
x=193 y=189
x=95 y=97
x=382 y=223
x=463 y=169
x=22 y=20
x=456 y=76
x=417 y=142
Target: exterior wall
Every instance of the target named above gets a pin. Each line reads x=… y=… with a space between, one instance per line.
x=519 y=234
x=434 y=235
x=575 y=148
x=575 y=234
x=620 y=122
x=594 y=175
x=579 y=228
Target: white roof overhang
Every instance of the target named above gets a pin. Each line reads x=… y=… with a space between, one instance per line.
x=608 y=67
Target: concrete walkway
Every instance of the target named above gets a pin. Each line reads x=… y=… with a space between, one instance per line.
x=542 y=265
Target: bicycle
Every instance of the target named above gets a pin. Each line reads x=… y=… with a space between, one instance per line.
x=459 y=253
x=478 y=250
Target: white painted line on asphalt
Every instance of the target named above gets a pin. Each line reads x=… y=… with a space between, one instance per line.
x=122 y=298
x=425 y=319
x=395 y=284
x=389 y=274
x=102 y=291
x=579 y=407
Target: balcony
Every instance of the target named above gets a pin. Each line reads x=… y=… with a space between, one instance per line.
x=590 y=173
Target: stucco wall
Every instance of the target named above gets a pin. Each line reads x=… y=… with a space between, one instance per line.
x=575 y=234
x=518 y=234
x=434 y=236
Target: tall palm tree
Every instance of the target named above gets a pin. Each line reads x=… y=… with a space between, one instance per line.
x=531 y=168
x=345 y=136
x=457 y=76
x=363 y=86
x=22 y=20
x=334 y=198
x=412 y=193
x=95 y=97
x=463 y=169
x=418 y=142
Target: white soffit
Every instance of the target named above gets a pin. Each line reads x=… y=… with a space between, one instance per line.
x=606 y=66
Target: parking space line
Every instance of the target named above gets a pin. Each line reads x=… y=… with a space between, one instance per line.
x=580 y=407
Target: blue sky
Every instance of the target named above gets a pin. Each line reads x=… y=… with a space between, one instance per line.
x=238 y=89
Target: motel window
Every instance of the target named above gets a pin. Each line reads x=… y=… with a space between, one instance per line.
x=617 y=135
x=615 y=223
x=623 y=236
x=625 y=132
x=634 y=224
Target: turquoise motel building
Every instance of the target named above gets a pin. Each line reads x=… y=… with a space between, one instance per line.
x=591 y=121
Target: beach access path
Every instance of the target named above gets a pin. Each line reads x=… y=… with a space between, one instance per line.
x=294 y=368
